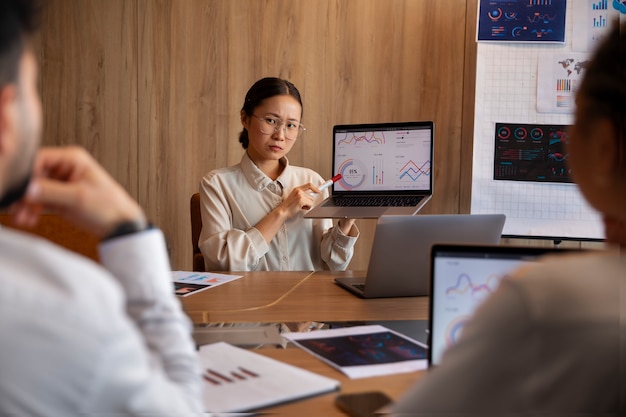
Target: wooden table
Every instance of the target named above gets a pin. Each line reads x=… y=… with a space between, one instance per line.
x=294 y=296
x=323 y=405
x=305 y=296
x=241 y=299
x=318 y=298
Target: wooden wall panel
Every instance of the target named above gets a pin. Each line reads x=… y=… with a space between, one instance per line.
x=469 y=87
x=154 y=87
x=185 y=123
x=88 y=57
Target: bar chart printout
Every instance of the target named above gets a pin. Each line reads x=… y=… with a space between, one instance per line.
x=592 y=21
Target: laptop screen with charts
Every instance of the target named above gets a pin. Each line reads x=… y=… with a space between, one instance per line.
x=399 y=262
x=462 y=277
x=385 y=169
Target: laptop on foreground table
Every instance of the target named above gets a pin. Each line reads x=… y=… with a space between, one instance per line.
x=399 y=263
x=385 y=169
x=462 y=277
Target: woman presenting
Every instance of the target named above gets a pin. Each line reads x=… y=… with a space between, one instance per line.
x=252 y=212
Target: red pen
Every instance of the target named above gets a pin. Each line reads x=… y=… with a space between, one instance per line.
x=329 y=182
x=323 y=187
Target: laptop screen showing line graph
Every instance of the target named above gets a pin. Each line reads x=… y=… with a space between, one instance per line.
x=462 y=278
x=386 y=158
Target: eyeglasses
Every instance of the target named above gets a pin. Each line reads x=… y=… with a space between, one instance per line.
x=269 y=125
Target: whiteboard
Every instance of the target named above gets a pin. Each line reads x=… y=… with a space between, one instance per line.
x=507 y=79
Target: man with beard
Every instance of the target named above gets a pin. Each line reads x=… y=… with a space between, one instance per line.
x=79 y=338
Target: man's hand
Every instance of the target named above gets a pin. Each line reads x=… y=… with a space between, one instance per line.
x=69 y=181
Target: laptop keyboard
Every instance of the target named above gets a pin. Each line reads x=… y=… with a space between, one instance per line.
x=360 y=287
x=376 y=201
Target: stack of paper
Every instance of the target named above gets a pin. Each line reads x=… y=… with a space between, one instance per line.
x=239 y=380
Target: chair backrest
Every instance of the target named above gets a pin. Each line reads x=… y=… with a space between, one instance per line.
x=60 y=231
x=196 y=227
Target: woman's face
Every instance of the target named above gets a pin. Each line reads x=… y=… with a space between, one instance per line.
x=273 y=145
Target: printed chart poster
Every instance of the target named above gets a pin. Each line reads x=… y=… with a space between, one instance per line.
x=558 y=77
x=521 y=21
x=191 y=282
x=592 y=20
x=531 y=152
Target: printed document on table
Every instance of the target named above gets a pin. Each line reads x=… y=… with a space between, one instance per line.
x=364 y=351
x=239 y=380
x=191 y=282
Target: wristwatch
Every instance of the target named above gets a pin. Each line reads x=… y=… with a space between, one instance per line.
x=128 y=228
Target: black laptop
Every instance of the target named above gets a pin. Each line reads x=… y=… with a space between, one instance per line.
x=462 y=278
x=385 y=169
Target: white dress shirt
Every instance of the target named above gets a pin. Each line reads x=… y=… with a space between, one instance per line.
x=81 y=340
x=234 y=199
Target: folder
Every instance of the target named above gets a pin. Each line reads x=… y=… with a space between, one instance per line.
x=239 y=380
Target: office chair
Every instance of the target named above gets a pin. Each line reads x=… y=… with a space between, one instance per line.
x=243 y=336
x=60 y=231
x=196 y=227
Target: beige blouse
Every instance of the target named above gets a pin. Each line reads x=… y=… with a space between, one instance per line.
x=234 y=199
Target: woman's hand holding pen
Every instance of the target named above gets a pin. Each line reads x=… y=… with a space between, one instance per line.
x=300 y=199
x=322 y=187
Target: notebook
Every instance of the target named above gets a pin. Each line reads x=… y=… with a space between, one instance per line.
x=385 y=169
x=462 y=277
x=399 y=262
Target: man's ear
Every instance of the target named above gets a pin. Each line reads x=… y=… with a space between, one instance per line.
x=7 y=114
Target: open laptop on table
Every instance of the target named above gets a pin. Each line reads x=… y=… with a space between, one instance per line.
x=385 y=169
x=399 y=263
x=462 y=277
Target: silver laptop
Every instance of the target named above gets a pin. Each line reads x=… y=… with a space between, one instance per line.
x=399 y=263
x=385 y=169
x=462 y=277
